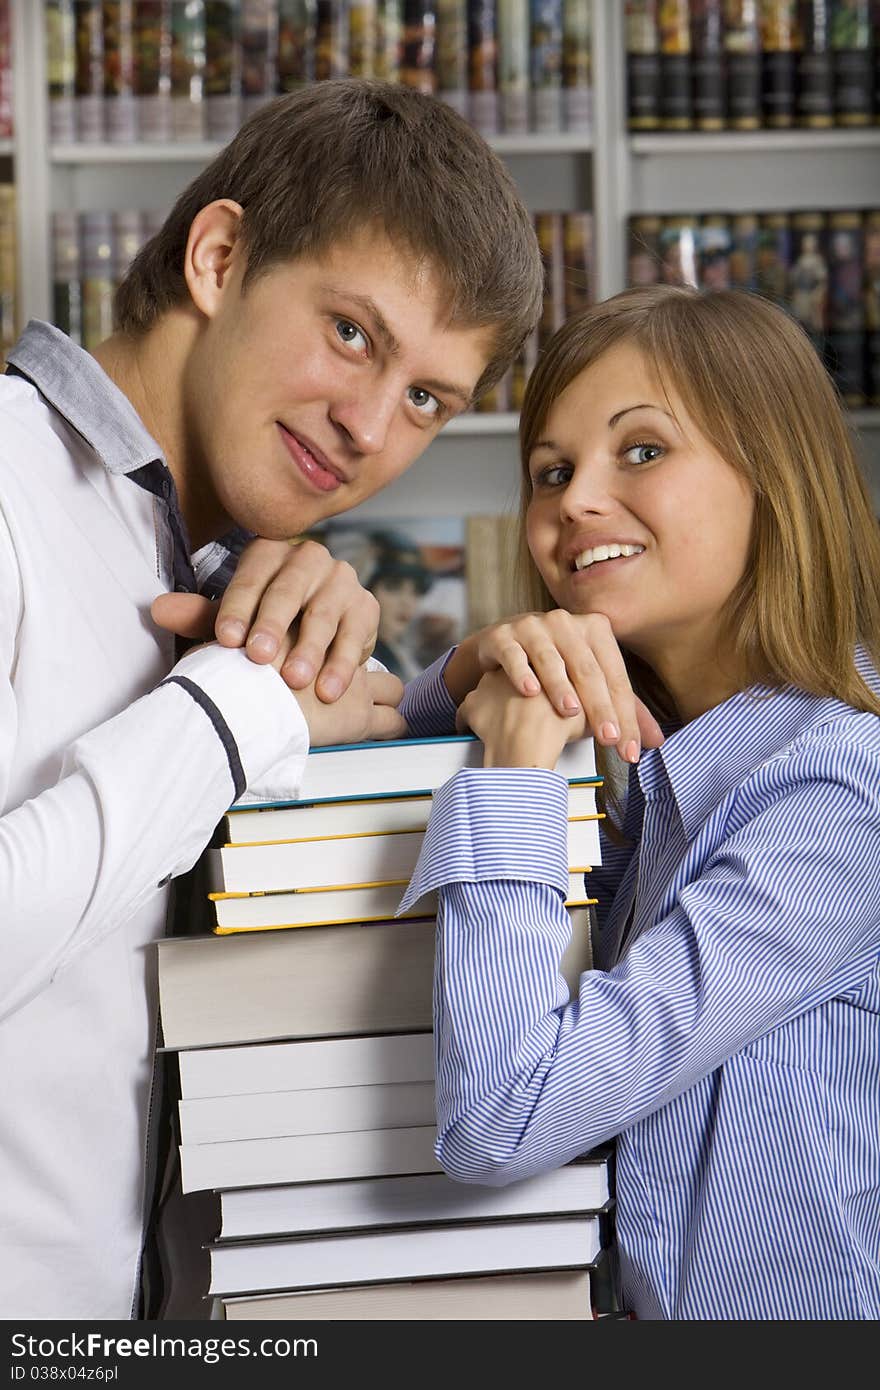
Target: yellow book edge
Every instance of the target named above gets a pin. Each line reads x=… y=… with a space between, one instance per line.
x=349 y=921
x=344 y=887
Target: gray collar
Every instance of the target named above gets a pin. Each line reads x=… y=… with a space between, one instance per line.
x=72 y=381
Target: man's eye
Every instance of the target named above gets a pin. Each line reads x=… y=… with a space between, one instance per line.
x=423 y=401
x=350 y=333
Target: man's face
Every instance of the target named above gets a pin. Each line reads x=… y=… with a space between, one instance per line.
x=321 y=384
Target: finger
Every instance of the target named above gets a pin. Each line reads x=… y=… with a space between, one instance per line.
x=599 y=674
x=385 y=722
x=266 y=594
x=499 y=647
x=651 y=734
x=339 y=657
x=548 y=651
x=384 y=688
x=189 y=615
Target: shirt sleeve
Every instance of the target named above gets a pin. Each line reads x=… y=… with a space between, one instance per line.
x=427 y=705
x=137 y=799
x=526 y=1080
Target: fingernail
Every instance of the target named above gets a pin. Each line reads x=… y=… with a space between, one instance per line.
x=570 y=703
x=331 y=687
x=298 y=671
x=261 y=644
x=631 y=751
x=233 y=630
x=531 y=686
x=609 y=733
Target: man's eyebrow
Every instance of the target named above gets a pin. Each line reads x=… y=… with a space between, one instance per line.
x=382 y=330
x=643 y=405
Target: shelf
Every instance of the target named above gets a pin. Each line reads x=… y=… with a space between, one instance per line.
x=755 y=142
x=499 y=422
x=200 y=151
x=865 y=419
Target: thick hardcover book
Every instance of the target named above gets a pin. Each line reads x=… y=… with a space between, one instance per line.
x=426 y=1252
x=328 y=1110
x=419 y=1199
x=642 y=65
x=779 y=41
x=708 y=95
x=267 y=824
x=545 y=1295
x=742 y=49
x=675 y=66
x=815 y=76
x=339 y=981
x=304 y=1066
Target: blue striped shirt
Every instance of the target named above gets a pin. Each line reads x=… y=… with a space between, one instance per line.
x=730 y=1037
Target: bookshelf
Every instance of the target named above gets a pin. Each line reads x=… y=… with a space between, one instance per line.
x=609 y=171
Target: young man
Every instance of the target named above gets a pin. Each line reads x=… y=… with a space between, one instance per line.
x=342 y=279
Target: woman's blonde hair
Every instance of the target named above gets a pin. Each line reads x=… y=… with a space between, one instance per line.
x=752 y=383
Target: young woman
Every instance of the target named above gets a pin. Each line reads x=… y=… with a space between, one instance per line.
x=708 y=564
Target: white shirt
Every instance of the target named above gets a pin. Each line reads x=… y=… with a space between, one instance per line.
x=111 y=782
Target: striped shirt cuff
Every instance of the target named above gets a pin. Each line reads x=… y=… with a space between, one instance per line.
x=495 y=823
x=427 y=705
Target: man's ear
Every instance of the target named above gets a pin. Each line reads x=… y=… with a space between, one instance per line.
x=212 y=248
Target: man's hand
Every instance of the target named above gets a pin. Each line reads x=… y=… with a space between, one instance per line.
x=574 y=660
x=275 y=586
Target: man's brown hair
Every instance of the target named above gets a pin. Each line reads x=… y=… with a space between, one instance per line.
x=311 y=168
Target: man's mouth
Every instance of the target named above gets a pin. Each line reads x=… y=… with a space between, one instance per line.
x=311 y=464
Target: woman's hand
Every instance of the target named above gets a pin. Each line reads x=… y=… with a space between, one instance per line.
x=517 y=730
x=275 y=586
x=574 y=661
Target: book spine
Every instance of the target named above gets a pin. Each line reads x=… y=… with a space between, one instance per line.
x=297 y=32
x=742 y=49
x=852 y=50
x=577 y=92
x=483 y=103
x=514 y=58
x=152 y=69
x=331 y=51
x=89 y=71
x=452 y=54
x=815 y=77
x=61 y=70
x=259 y=53
x=707 y=64
x=389 y=39
x=8 y=306
x=675 y=65
x=546 y=43
x=872 y=304
x=643 y=264
x=678 y=250
x=222 y=69
x=97 y=287
x=577 y=235
x=744 y=251
x=774 y=256
x=119 y=107
x=714 y=251
x=66 y=275
x=188 y=69
x=548 y=227
x=362 y=35
x=5 y=71
x=523 y=366
x=778 y=63
x=808 y=282
x=417 y=63
x=846 y=306
x=642 y=65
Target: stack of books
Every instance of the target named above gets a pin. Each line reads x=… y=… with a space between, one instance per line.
x=306 y=1066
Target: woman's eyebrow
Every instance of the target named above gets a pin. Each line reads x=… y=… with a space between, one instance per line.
x=643 y=405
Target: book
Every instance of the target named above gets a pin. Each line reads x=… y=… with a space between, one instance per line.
x=707 y=65
x=293 y=1158
x=313 y=907
x=340 y=981
x=328 y=1110
x=742 y=53
x=375 y=1257
x=349 y=861
x=675 y=66
x=292 y=1066
x=340 y=772
x=555 y=1295
x=780 y=39
x=418 y=1199
x=269 y=823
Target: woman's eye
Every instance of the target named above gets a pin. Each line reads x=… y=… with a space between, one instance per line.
x=424 y=402
x=350 y=333
x=643 y=453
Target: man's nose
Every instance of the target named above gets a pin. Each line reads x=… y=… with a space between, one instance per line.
x=365 y=416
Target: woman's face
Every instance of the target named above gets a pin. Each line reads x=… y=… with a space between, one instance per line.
x=634 y=514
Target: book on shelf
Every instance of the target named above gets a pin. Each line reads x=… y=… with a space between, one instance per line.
x=572 y=1242
x=414 y=1200
x=306 y=1066
x=554 y=1295
x=350 y=861
x=327 y=982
